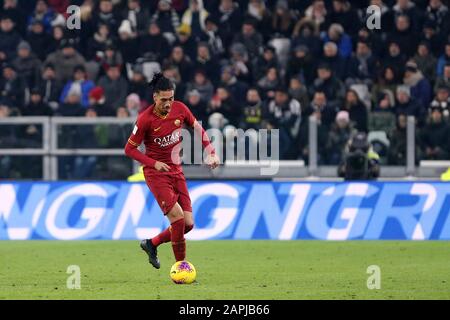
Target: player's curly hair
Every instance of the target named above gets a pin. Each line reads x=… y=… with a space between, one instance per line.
x=161 y=83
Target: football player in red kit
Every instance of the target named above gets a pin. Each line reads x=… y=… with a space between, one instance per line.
x=159 y=127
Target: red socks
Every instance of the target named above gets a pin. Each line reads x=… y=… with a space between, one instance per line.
x=166 y=235
x=161 y=238
x=178 y=242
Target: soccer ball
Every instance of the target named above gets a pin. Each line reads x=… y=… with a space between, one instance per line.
x=183 y=272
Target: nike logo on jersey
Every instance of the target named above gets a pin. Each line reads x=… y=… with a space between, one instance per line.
x=157 y=129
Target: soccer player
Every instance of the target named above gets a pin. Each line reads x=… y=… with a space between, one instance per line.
x=159 y=127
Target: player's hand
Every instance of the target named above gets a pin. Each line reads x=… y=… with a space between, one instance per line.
x=161 y=166
x=213 y=161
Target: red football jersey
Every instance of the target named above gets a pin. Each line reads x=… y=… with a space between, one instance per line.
x=162 y=135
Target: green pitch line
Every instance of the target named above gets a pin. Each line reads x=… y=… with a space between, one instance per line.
x=227 y=270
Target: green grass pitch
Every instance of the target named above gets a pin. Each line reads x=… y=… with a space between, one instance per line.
x=227 y=270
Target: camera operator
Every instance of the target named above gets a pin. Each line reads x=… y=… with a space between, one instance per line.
x=360 y=162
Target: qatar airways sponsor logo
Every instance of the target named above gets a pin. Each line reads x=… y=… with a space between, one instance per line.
x=168 y=140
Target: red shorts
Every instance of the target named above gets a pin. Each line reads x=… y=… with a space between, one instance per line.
x=169 y=189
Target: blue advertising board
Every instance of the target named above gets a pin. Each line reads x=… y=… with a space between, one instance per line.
x=229 y=210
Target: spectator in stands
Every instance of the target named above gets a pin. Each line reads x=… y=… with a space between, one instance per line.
x=442 y=100
x=154 y=43
x=346 y=16
x=211 y=36
x=238 y=89
x=252 y=112
x=206 y=62
x=395 y=58
x=317 y=11
x=327 y=112
x=195 y=17
x=409 y=9
x=284 y=113
x=337 y=35
x=398 y=143
x=186 y=41
x=383 y=117
x=434 y=137
x=408 y=105
x=105 y=15
x=39 y=40
x=49 y=86
x=71 y=107
x=230 y=20
x=250 y=38
x=96 y=45
x=133 y=105
x=222 y=102
x=439 y=13
x=435 y=39
x=302 y=64
x=56 y=39
x=299 y=92
x=182 y=61
x=115 y=86
x=269 y=83
x=27 y=64
x=357 y=111
x=268 y=59
x=444 y=60
x=137 y=16
x=128 y=42
x=362 y=66
x=404 y=35
x=12 y=87
x=167 y=19
x=420 y=87
x=36 y=106
x=79 y=83
x=330 y=84
x=172 y=73
x=337 y=63
x=18 y=15
x=306 y=33
x=444 y=80
x=202 y=84
x=387 y=80
x=97 y=101
x=258 y=10
x=65 y=60
x=9 y=39
x=45 y=14
x=197 y=105
x=425 y=60
x=138 y=84
x=340 y=134
x=283 y=20
x=240 y=62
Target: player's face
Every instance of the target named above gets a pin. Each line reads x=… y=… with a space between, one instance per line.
x=163 y=101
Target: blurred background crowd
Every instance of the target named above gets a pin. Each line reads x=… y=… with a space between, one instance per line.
x=236 y=64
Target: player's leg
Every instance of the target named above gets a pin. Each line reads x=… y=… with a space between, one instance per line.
x=176 y=218
x=188 y=221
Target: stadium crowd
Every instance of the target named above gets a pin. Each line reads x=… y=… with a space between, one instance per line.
x=246 y=64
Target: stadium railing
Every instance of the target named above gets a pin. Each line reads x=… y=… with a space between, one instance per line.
x=52 y=149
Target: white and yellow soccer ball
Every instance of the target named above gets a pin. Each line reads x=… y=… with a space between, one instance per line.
x=183 y=272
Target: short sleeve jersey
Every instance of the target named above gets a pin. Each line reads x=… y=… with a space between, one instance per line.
x=162 y=135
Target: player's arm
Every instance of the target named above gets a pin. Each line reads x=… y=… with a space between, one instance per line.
x=132 y=151
x=213 y=160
